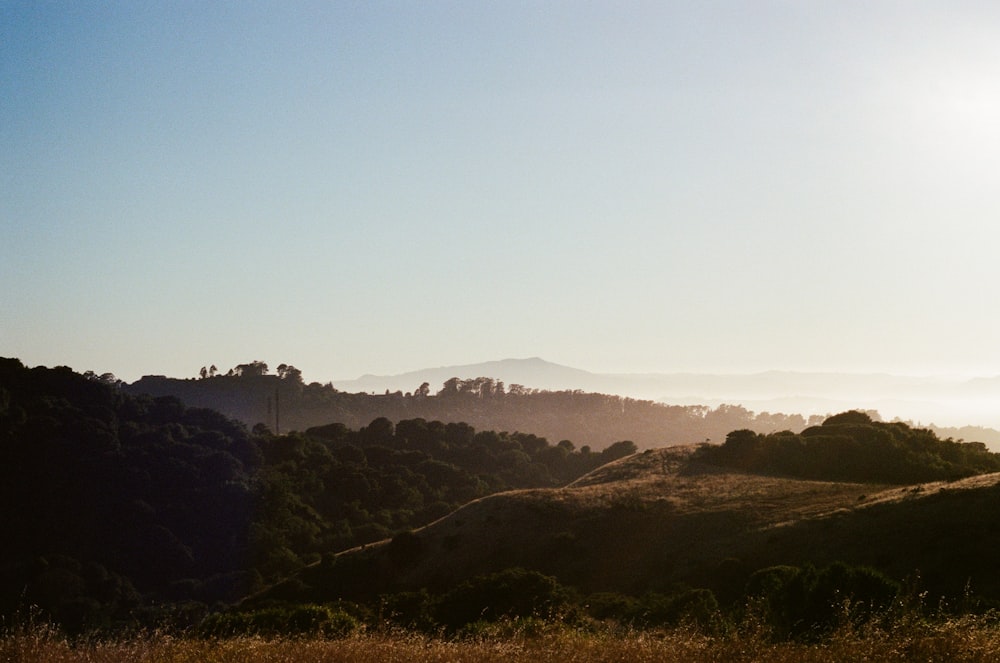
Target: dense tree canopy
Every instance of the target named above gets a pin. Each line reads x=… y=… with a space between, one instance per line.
x=112 y=500
x=851 y=446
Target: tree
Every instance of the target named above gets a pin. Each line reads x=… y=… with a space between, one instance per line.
x=289 y=372
x=253 y=369
x=617 y=450
x=450 y=387
x=852 y=417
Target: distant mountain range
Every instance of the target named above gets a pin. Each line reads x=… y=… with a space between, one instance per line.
x=930 y=399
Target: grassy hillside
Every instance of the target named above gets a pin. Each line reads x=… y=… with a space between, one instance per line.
x=663 y=519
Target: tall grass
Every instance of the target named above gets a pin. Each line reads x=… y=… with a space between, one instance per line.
x=960 y=640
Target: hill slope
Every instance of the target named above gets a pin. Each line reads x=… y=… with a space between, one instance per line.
x=662 y=519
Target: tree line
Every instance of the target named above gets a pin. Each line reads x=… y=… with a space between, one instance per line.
x=852 y=446
x=282 y=402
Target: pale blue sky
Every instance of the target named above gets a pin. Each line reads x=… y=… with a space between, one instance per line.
x=379 y=187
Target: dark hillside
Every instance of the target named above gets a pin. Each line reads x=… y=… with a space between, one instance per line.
x=115 y=503
x=664 y=519
x=107 y=497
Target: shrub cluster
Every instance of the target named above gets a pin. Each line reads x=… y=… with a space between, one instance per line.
x=853 y=447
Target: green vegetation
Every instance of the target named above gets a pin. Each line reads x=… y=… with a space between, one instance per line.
x=126 y=512
x=297 y=620
x=853 y=447
x=120 y=507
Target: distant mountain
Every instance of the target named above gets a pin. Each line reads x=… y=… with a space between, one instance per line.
x=927 y=400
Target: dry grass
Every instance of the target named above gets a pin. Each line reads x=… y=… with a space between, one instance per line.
x=961 y=640
x=661 y=517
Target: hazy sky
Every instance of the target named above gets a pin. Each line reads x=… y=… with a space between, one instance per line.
x=380 y=187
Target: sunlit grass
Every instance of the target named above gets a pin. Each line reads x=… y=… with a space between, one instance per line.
x=965 y=639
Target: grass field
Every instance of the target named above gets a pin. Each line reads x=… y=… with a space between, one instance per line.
x=960 y=640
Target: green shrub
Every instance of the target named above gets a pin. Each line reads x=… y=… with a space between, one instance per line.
x=305 y=619
x=799 y=602
x=509 y=593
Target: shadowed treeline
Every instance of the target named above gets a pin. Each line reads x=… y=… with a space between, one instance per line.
x=118 y=505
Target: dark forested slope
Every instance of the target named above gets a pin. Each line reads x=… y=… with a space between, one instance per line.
x=112 y=503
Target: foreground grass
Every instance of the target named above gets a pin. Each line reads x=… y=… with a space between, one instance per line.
x=959 y=640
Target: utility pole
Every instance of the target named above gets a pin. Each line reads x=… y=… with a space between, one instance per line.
x=277 y=413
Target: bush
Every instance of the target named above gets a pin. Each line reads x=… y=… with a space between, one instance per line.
x=611 y=605
x=305 y=619
x=509 y=593
x=410 y=610
x=696 y=607
x=799 y=602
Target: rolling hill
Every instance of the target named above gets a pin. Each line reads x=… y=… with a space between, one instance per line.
x=663 y=519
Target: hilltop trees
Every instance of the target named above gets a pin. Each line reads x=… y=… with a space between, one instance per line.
x=249 y=393
x=851 y=446
x=253 y=369
x=290 y=373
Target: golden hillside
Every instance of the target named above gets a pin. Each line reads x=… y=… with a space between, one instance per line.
x=661 y=519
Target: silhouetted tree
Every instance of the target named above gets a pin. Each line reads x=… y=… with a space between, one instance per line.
x=253 y=369
x=290 y=373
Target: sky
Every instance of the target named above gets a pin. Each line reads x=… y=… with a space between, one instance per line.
x=380 y=187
